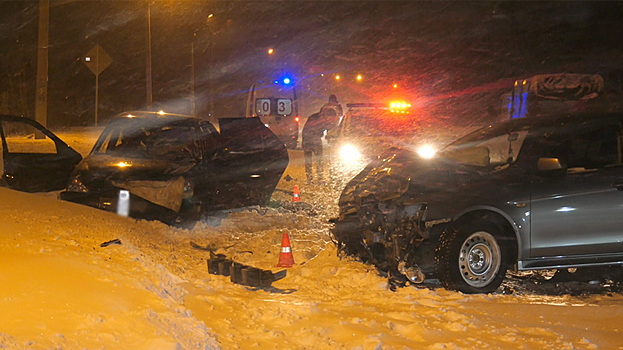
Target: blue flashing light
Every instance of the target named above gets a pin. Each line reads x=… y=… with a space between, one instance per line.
x=523 y=105
x=276 y=81
x=287 y=81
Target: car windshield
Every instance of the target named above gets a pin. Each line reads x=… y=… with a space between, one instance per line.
x=488 y=147
x=137 y=140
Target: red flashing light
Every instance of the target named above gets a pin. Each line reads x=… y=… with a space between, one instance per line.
x=297 y=119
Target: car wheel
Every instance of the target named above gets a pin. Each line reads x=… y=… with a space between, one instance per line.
x=470 y=259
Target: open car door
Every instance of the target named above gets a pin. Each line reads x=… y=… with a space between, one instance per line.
x=33 y=158
x=254 y=160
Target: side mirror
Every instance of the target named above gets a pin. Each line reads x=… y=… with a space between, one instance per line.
x=550 y=165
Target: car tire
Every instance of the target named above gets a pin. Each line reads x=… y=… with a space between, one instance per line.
x=470 y=259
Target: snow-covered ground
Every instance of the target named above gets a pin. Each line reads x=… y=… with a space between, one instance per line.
x=61 y=289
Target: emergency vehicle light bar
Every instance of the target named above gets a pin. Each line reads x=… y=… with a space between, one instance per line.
x=367 y=105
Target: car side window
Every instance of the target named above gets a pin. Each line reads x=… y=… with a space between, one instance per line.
x=25 y=138
x=109 y=143
x=603 y=148
x=587 y=146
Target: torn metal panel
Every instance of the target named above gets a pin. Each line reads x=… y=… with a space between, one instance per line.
x=168 y=194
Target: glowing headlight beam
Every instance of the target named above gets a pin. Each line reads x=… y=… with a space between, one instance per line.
x=123 y=164
x=426 y=152
x=349 y=153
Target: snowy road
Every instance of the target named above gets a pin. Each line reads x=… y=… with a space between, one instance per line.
x=62 y=290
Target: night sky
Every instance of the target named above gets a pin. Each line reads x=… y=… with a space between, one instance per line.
x=452 y=59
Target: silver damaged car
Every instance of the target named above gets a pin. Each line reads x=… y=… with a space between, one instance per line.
x=531 y=193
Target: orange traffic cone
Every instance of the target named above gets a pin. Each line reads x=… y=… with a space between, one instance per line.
x=296 y=197
x=285 y=258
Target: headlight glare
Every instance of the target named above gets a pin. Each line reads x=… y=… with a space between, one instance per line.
x=426 y=152
x=349 y=153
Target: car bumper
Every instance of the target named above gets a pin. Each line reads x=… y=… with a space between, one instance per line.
x=138 y=207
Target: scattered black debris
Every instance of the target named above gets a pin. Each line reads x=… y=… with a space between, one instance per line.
x=114 y=241
x=578 y=282
x=210 y=247
x=288 y=178
x=574 y=282
x=219 y=264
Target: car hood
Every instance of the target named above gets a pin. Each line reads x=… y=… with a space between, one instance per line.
x=158 y=181
x=104 y=167
x=398 y=172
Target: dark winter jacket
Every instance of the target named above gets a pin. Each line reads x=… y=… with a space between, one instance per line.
x=313 y=131
x=331 y=113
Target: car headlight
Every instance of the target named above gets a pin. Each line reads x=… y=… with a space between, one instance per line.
x=426 y=152
x=349 y=153
x=189 y=190
x=75 y=185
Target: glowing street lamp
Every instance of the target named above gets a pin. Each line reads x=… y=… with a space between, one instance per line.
x=359 y=77
x=270 y=51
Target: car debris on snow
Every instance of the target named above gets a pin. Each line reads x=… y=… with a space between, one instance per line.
x=246 y=275
x=112 y=241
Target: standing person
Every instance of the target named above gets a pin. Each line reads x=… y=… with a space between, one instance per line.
x=332 y=112
x=313 y=131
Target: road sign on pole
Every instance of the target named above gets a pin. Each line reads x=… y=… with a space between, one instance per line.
x=97 y=60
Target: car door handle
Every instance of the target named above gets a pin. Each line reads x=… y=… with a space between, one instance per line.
x=618 y=184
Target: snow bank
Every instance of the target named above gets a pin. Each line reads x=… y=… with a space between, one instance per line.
x=62 y=289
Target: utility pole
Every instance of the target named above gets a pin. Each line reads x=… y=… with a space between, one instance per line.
x=192 y=75
x=148 y=97
x=41 y=100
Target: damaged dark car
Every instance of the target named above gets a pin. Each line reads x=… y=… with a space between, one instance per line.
x=176 y=168
x=532 y=193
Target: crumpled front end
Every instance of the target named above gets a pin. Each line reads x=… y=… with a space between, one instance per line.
x=158 y=190
x=382 y=217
